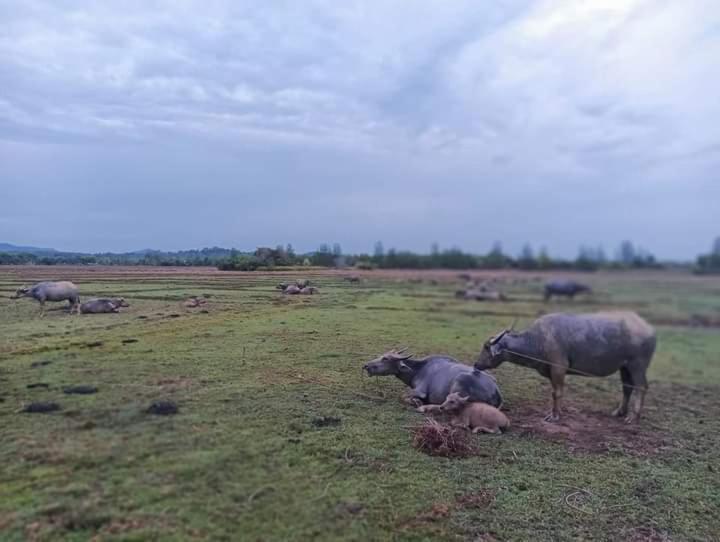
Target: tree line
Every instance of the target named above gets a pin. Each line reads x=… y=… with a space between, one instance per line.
x=627 y=256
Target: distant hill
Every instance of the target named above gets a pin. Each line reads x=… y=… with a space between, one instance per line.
x=16 y=249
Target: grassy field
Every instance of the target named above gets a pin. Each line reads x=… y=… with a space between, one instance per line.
x=248 y=458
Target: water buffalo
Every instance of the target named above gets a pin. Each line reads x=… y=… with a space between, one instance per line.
x=566 y=288
x=596 y=344
x=308 y=290
x=52 y=291
x=99 y=306
x=433 y=378
x=474 y=416
x=292 y=290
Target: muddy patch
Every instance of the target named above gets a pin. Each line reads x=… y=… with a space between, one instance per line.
x=80 y=390
x=584 y=430
x=129 y=341
x=173 y=384
x=35 y=385
x=94 y=344
x=162 y=408
x=41 y=407
x=42 y=363
x=326 y=421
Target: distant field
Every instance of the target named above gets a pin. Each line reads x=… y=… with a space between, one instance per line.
x=247 y=457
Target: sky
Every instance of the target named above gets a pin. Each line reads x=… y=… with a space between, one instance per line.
x=184 y=124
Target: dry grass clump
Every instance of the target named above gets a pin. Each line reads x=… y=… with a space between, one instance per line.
x=435 y=438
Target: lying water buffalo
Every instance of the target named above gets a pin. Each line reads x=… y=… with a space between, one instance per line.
x=580 y=344
x=52 y=291
x=566 y=288
x=433 y=378
x=308 y=290
x=98 y=306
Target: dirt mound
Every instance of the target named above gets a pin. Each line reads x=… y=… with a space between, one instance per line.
x=584 y=430
x=435 y=438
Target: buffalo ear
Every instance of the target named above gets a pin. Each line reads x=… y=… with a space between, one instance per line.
x=463 y=398
x=496 y=349
x=403 y=367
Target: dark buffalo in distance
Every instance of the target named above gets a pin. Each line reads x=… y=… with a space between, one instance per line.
x=565 y=288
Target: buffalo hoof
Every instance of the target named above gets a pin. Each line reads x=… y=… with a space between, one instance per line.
x=619 y=412
x=630 y=419
x=552 y=418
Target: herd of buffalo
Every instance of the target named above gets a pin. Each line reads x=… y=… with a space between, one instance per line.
x=555 y=345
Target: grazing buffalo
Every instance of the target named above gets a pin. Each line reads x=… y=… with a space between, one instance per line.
x=597 y=344
x=565 y=288
x=52 y=291
x=433 y=378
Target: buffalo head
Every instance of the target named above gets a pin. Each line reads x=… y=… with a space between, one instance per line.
x=454 y=401
x=493 y=351
x=21 y=292
x=390 y=363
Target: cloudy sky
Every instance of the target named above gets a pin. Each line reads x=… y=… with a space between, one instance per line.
x=181 y=124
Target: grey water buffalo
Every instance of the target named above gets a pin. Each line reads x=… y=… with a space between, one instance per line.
x=598 y=344
x=51 y=291
x=484 y=295
x=292 y=290
x=565 y=288
x=433 y=378
x=98 y=306
x=308 y=290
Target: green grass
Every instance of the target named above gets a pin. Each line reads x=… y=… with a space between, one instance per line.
x=244 y=461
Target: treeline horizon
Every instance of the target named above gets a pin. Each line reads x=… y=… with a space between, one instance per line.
x=626 y=256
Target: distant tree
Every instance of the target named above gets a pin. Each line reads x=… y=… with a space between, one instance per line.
x=495 y=259
x=543 y=260
x=626 y=253
x=527 y=260
x=337 y=250
x=323 y=257
x=379 y=254
x=716 y=246
x=379 y=250
x=600 y=256
x=586 y=260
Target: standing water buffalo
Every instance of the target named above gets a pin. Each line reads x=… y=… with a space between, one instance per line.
x=580 y=344
x=52 y=291
x=566 y=288
x=433 y=378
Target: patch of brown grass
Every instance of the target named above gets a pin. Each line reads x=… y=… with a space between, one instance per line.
x=438 y=439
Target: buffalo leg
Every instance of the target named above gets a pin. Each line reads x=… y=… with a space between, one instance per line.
x=638 y=395
x=428 y=409
x=557 y=379
x=627 y=388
